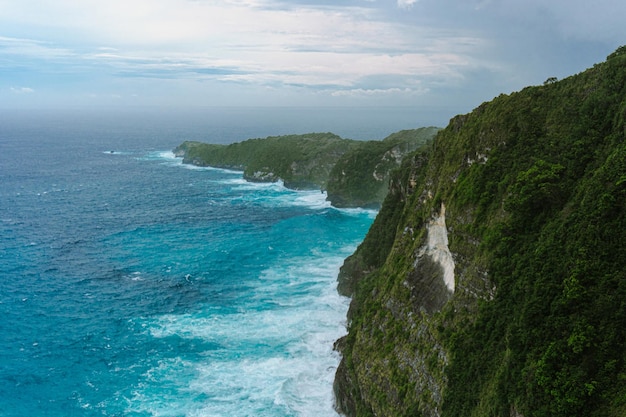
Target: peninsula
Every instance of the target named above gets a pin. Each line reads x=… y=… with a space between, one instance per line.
x=353 y=173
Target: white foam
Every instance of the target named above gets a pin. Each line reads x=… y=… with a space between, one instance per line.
x=312 y=199
x=135 y=276
x=281 y=197
x=205 y=168
x=271 y=356
x=358 y=211
x=170 y=158
x=244 y=185
x=167 y=155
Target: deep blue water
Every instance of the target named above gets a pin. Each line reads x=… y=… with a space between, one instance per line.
x=133 y=285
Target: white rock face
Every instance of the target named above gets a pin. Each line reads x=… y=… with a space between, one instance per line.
x=437 y=247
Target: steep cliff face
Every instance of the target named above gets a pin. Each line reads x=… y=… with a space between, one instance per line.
x=493 y=281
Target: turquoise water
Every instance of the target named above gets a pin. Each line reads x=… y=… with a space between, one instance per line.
x=134 y=285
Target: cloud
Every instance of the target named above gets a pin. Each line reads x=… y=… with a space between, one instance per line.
x=406 y=4
x=32 y=48
x=364 y=92
x=258 y=42
x=355 y=48
x=22 y=90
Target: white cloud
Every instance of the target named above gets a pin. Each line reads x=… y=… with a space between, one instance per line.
x=365 y=92
x=406 y=4
x=22 y=90
x=359 y=48
x=259 y=41
x=32 y=48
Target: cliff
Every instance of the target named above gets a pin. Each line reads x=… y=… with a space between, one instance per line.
x=354 y=173
x=493 y=280
x=360 y=177
x=300 y=161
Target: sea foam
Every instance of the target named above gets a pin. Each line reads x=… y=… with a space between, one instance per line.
x=272 y=356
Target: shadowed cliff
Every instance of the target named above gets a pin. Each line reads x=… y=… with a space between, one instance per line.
x=523 y=201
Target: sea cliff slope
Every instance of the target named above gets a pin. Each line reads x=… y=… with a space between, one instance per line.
x=354 y=173
x=493 y=280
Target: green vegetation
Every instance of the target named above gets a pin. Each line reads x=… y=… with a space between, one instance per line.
x=355 y=173
x=361 y=176
x=534 y=188
x=300 y=161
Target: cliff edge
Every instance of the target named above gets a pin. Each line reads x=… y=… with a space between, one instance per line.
x=353 y=173
x=493 y=280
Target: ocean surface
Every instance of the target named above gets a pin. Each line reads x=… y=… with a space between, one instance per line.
x=134 y=285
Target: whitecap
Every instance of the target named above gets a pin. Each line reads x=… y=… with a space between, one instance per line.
x=359 y=211
x=276 y=354
x=312 y=199
x=178 y=162
x=245 y=185
x=135 y=276
x=235 y=181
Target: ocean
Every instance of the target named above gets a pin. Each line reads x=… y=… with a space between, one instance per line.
x=134 y=285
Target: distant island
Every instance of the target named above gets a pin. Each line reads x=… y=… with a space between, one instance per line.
x=353 y=173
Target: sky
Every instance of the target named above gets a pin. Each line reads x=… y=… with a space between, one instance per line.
x=450 y=55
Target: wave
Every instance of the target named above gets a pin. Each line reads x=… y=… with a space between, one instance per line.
x=313 y=199
x=170 y=158
x=273 y=354
x=242 y=184
x=359 y=211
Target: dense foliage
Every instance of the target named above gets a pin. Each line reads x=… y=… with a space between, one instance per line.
x=355 y=173
x=534 y=186
x=360 y=177
x=301 y=161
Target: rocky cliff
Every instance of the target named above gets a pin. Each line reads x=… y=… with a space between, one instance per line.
x=360 y=178
x=354 y=173
x=300 y=161
x=493 y=280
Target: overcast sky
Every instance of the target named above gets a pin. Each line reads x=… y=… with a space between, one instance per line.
x=448 y=54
